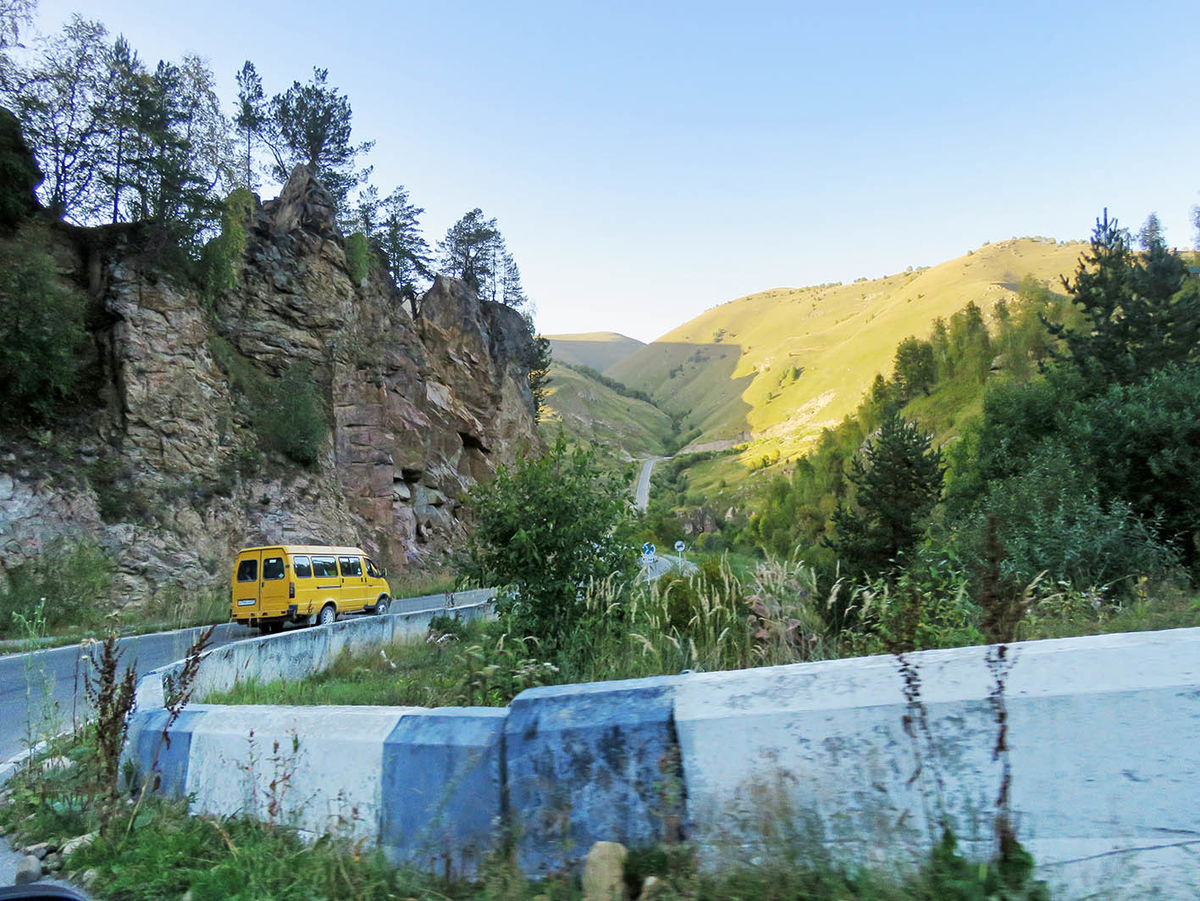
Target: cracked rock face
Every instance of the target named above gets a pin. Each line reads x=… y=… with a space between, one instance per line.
x=165 y=470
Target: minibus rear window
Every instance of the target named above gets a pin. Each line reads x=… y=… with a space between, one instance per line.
x=351 y=566
x=272 y=568
x=248 y=571
x=302 y=567
x=325 y=567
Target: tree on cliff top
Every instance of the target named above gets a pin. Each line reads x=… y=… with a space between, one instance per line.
x=251 y=115
x=474 y=251
x=310 y=124
x=466 y=249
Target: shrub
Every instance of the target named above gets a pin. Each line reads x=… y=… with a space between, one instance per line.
x=1143 y=443
x=41 y=329
x=545 y=527
x=1051 y=520
x=69 y=582
x=927 y=605
x=358 y=257
x=294 y=424
x=222 y=256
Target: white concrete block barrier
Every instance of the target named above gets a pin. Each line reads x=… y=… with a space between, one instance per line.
x=1103 y=732
x=1104 y=739
x=588 y=763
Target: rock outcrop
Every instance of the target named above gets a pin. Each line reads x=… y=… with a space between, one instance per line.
x=164 y=468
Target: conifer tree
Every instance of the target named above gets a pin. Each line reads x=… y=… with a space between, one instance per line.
x=251 y=115
x=403 y=245
x=1142 y=313
x=467 y=250
x=898 y=479
x=311 y=124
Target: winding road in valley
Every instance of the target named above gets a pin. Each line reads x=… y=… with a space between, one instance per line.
x=642 y=496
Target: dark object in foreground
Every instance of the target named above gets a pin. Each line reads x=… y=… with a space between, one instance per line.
x=41 y=893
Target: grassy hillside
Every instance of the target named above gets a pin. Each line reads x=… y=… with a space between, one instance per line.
x=594 y=414
x=599 y=350
x=778 y=366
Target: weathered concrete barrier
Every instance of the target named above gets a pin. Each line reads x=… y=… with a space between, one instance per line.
x=298 y=653
x=443 y=788
x=588 y=763
x=1102 y=733
x=1102 y=736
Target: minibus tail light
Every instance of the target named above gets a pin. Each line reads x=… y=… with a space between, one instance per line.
x=291 y=590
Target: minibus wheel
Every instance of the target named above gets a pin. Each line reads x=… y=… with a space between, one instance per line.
x=327 y=615
x=381 y=606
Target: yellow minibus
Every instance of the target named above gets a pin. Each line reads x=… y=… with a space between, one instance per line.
x=304 y=584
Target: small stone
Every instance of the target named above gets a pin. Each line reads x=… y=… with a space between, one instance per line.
x=604 y=872
x=51 y=863
x=652 y=888
x=76 y=843
x=40 y=850
x=89 y=877
x=29 y=869
x=56 y=764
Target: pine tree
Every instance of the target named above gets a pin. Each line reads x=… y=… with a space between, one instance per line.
x=1142 y=313
x=467 y=250
x=898 y=479
x=251 y=115
x=403 y=245
x=119 y=115
x=311 y=125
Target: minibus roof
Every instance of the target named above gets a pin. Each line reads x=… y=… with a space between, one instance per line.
x=308 y=549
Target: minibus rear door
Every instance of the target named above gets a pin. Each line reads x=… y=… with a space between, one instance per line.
x=245 y=584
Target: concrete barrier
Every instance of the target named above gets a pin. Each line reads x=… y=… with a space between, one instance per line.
x=298 y=653
x=1102 y=733
x=587 y=763
x=443 y=789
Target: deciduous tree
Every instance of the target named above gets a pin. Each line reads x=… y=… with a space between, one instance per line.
x=546 y=527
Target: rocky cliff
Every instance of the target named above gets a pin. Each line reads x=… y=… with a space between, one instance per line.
x=161 y=463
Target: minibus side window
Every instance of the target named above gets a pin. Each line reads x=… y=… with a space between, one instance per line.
x=324 y=567
x=351 y=566
x=302 y=567
x=248 y=571
x=372 y=571
x=272 y=569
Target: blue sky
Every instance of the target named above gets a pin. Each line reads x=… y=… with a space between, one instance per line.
x=647 y=161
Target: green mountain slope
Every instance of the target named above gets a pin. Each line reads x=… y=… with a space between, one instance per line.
x=599 y=350
x=777 y=366
x=594 y=414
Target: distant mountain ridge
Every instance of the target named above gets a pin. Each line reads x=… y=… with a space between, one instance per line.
x=781 y=364
x=599 y=350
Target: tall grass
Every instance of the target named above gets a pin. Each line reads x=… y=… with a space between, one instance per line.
x=705 y=621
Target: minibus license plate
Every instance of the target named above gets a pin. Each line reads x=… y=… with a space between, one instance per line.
x=246 y=602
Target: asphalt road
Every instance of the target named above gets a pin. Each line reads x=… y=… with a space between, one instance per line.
x=47 y=686
x=642 y=497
